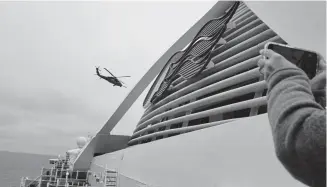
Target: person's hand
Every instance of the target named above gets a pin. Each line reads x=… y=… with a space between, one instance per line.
x=319 y=81
x=321 y=64
x=272 y=61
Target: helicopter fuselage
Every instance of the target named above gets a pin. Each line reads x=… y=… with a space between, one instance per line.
x=113 y=81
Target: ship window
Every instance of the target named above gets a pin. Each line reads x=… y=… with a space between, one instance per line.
x=161 y=128
x=237 y=114
x=143 y=127
x=146 y=140
x=164 y=119
x=262 y=109
x=143 y=134
x=187 y=102
x=159 y=137
x=179 y=114
x=209 y=94
x=139 y=135
x=176 y=125
x=131 y=144
x=198 y=121
x=173 y=134
x=150 y=131
x=264 y=92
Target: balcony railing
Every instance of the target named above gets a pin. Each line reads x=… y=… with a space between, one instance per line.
x=230 y=89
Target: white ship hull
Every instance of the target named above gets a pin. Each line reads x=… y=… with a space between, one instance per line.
x=237 y=154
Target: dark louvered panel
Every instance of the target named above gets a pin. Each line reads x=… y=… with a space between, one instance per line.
x=162 y=88
x=194 y=67
x=173 y=61
x=211 y=28
x=201 y=45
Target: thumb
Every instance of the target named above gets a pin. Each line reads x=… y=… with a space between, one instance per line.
x=319 y=81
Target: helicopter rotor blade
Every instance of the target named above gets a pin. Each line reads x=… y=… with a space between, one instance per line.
x=110 y=73
x=123 y=76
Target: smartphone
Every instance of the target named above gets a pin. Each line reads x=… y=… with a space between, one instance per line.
x=304 y=59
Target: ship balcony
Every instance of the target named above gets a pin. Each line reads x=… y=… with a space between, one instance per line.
x=230 y=89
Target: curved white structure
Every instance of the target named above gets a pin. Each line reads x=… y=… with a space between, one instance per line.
x=231 y=89
x=221 y=134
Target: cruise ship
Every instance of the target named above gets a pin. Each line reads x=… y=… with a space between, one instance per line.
x=205 y=120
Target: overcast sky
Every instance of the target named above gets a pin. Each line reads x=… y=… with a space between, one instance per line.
x=49 y=94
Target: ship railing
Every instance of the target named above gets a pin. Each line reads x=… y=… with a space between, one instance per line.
x=30 y=182
x=116 y=173
x=70 y=183
x=105 y=175
x=62 y=172
x=57 y=177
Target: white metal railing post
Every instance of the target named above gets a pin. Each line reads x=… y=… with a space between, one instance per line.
x=67 y=185
x=51 y=174
x=22 y=183
x=56 y=170
x=117 y=177
x=40 y=180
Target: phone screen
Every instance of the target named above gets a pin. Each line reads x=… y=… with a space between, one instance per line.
x=305 y=60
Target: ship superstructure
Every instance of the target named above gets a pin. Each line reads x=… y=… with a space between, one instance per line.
x=58 y=175
x=229 y=89
x=205 y=121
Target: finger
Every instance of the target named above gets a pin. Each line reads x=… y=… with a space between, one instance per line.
x=322 y=64
x=261 y=70
x=268 y=53
x=320 y=57
x=261 y=62
x=318 y=82
x=262 y=53
x=265 y=74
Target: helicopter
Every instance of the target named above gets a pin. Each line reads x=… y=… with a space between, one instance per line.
x=113 y=80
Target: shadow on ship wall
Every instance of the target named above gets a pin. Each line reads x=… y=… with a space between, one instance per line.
x=110 y=143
